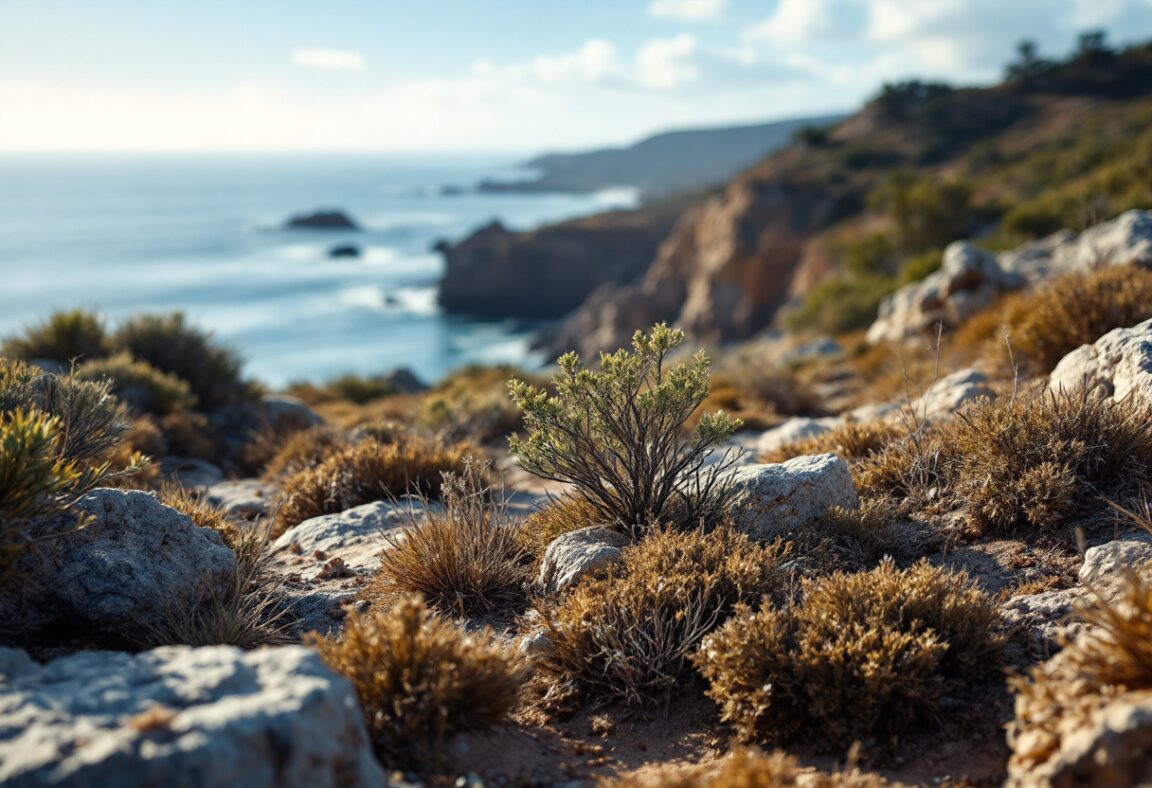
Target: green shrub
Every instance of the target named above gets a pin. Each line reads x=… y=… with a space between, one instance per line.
x=862 y=655
x=464 y=560
x=420 y=679
x=841 y=302
x=139 y=384
x=928 y=212
x=615 y=434
x=629 y=633
x=75 y=335
x=171 y=345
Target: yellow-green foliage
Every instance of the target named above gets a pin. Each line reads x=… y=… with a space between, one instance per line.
x=867 y=654
x=69 y=336
x=170 y=344
x=1045 y=457
x=615 y=434
x=630 y=632
x=1074 y=310
x=464 y=560
x=139 y=384
x=368 y=471
x=420 y=678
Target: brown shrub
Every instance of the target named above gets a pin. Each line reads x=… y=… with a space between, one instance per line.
x=190 y=434
x=203 y=514
x=563 y=515
x=420 y=678
x=629 y=633
x=472 y=404
x=861 y=655
x=748 y=767
x=365 y=472
x=852 y=440
x=464 y=560
x=910 y=471
x=300 y=451
x=1042 y=458
x=1074 y=310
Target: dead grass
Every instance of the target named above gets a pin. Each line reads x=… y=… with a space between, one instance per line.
x=365 y=472
x=852 y=441
x=748 y=767
x=629 y=633
x=419 y=679
x=563 y=515
x=464 y=560
x=867 y=654
x=299 y=451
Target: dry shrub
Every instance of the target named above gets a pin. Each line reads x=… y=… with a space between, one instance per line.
x=472 y=404
x=66 y=336
x=855 y=539
x=910 y=472
x=249 y=613
x=748 y=767
x=190 y=434
x=464 y=560
x=202 y=514
x=867 y=654
x=1074 y=310
x=563 y=515
x=139 y=384
x=365 y=472
x=852 y=440
x=629 y=633
x=419 y=679
x=1038 y=460
x=301 y=450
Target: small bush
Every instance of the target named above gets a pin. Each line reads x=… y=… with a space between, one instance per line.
x=852 y=441
x=629 y=634
x=139 y=384
x=420 y=679
x=472 y=404
x=464 y=560
x=1038 y=460
x=65 y=337
x=1074 y=310
x=171 y=345
x=841 y=302
x=365 y=472
x=868 y=654
x=748 y=767
x=303 y=450
x=615 y=434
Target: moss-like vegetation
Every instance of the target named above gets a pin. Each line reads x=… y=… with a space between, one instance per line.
x=64 y=337
x=140 y=385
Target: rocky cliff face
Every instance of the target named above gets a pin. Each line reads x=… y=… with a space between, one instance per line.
x=548 y=272
x=726 y=268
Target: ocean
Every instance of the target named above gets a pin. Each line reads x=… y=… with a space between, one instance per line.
x=204 y=234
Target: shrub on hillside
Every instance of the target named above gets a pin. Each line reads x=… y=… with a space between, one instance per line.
x=861 y=655
x=464 y=560
x=629 y=633
x=139 y=384
x=368 y=471
x=420 y=679
x=170 y=344
x=65 y=337
x=841 y=302
x=615 y=434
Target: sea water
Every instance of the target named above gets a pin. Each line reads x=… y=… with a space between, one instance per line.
x=205 y=234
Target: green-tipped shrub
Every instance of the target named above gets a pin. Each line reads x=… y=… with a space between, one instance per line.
x=420 y=679
x=139 y=384
x=615 y=434
x=862 y=655
x=170 y=344
x=74 y=335
x=630 y=633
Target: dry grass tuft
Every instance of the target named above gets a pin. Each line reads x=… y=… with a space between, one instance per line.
x=563 y=515
x=852 y=440
x=202 y=514
x=365 y=472
x=300 y=450
x=629 y=633
x=465 y=560
x=867 y=654
x=419 y=679
x=748 y=767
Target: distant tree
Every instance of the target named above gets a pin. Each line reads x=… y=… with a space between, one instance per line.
x=1028 y=66
x=1092 y=42
x=928 y=212
x=811 y=136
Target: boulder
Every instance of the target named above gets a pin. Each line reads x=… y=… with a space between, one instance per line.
x=1116 y=365
x=191 y=473
x=356 y=536
x=773 y=500
x=944 y=397
x=179 y=716
x=245 y=499
x=969 y=279
x=133 y=563
x=285 y=412
x=573 y=555
x=321 y=220
x=1105 y=565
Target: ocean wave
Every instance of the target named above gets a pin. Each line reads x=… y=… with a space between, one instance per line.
x=400 y=221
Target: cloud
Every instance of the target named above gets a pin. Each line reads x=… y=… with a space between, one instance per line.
x=330 y=59
x=667 y=63
x=687 y=10
x=799 y=21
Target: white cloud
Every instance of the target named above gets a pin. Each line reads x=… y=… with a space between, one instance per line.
x=667 y=63
x=687 y=10
x=330 y=59
x=798 y=21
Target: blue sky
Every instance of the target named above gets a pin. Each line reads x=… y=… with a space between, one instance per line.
x=516 y=75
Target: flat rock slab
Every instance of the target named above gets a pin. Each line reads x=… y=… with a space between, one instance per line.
x=181 y=717
x=775 y=499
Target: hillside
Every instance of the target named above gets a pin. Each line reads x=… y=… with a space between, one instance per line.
x=817 y=233
x=663 y=164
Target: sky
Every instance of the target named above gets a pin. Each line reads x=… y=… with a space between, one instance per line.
x=484 y=75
